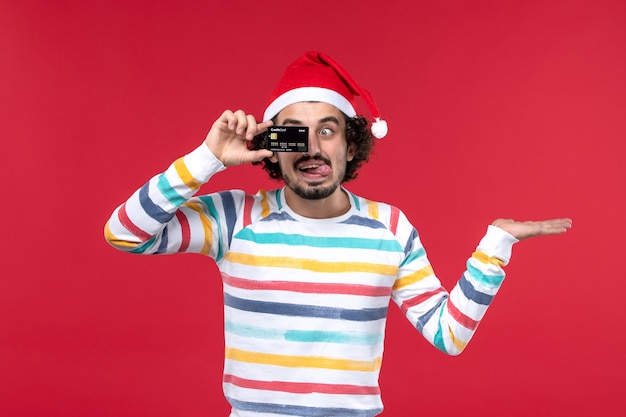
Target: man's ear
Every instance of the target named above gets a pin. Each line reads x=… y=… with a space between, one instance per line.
x=351 y=151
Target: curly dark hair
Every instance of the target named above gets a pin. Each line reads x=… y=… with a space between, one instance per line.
x=357 y=132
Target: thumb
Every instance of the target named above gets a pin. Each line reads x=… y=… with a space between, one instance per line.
x=257 y=155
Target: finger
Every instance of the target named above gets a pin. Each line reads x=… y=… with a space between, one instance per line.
x=242 y=122
x=566 y=223
x=228 y=118
x=252 y=127
x=262 y=127
x=255 y=128
x=258 y=155
x=555 y=226
x=560 y=222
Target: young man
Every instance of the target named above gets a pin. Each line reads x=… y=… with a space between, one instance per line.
x=309 y=269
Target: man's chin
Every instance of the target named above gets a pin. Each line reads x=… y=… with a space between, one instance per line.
x=314 y=191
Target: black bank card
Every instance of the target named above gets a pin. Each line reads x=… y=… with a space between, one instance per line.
x=287 y=139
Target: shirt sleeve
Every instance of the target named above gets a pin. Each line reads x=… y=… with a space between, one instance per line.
x=164 y=217
x=448 y=320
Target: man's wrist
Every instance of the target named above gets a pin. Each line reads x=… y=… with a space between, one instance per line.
x=497 y=243
x=202 y=163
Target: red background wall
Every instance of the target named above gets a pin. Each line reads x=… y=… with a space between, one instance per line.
x=496 y=109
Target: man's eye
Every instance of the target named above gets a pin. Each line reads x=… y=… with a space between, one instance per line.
x=325 y=131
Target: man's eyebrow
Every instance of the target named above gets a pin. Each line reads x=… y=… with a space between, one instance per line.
x=297 y=122
x=291 y=122
x=329 y=119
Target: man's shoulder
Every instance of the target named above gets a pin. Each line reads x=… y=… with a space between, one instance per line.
x=365 y=204
x=239 y=198
x=240 y=194
x=384 y=213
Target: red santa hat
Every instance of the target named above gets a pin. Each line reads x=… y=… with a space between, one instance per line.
x=316 y=77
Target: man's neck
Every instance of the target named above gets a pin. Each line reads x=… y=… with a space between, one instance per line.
x=334 y=205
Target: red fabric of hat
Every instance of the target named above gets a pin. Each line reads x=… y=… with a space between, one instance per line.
x=316 y=77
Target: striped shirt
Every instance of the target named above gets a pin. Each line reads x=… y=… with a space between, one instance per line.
x=305 y=300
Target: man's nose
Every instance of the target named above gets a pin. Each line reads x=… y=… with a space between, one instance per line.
x=314 y=143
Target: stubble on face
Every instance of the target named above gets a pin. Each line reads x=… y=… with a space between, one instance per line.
x=314 y=191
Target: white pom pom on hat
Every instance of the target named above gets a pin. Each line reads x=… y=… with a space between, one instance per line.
x=316 y=77
x=379 y=128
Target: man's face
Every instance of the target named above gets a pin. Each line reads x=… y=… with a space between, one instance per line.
x=317 y=173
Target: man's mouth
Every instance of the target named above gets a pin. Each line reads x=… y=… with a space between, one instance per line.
x=313 y=167
x=320 y=169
